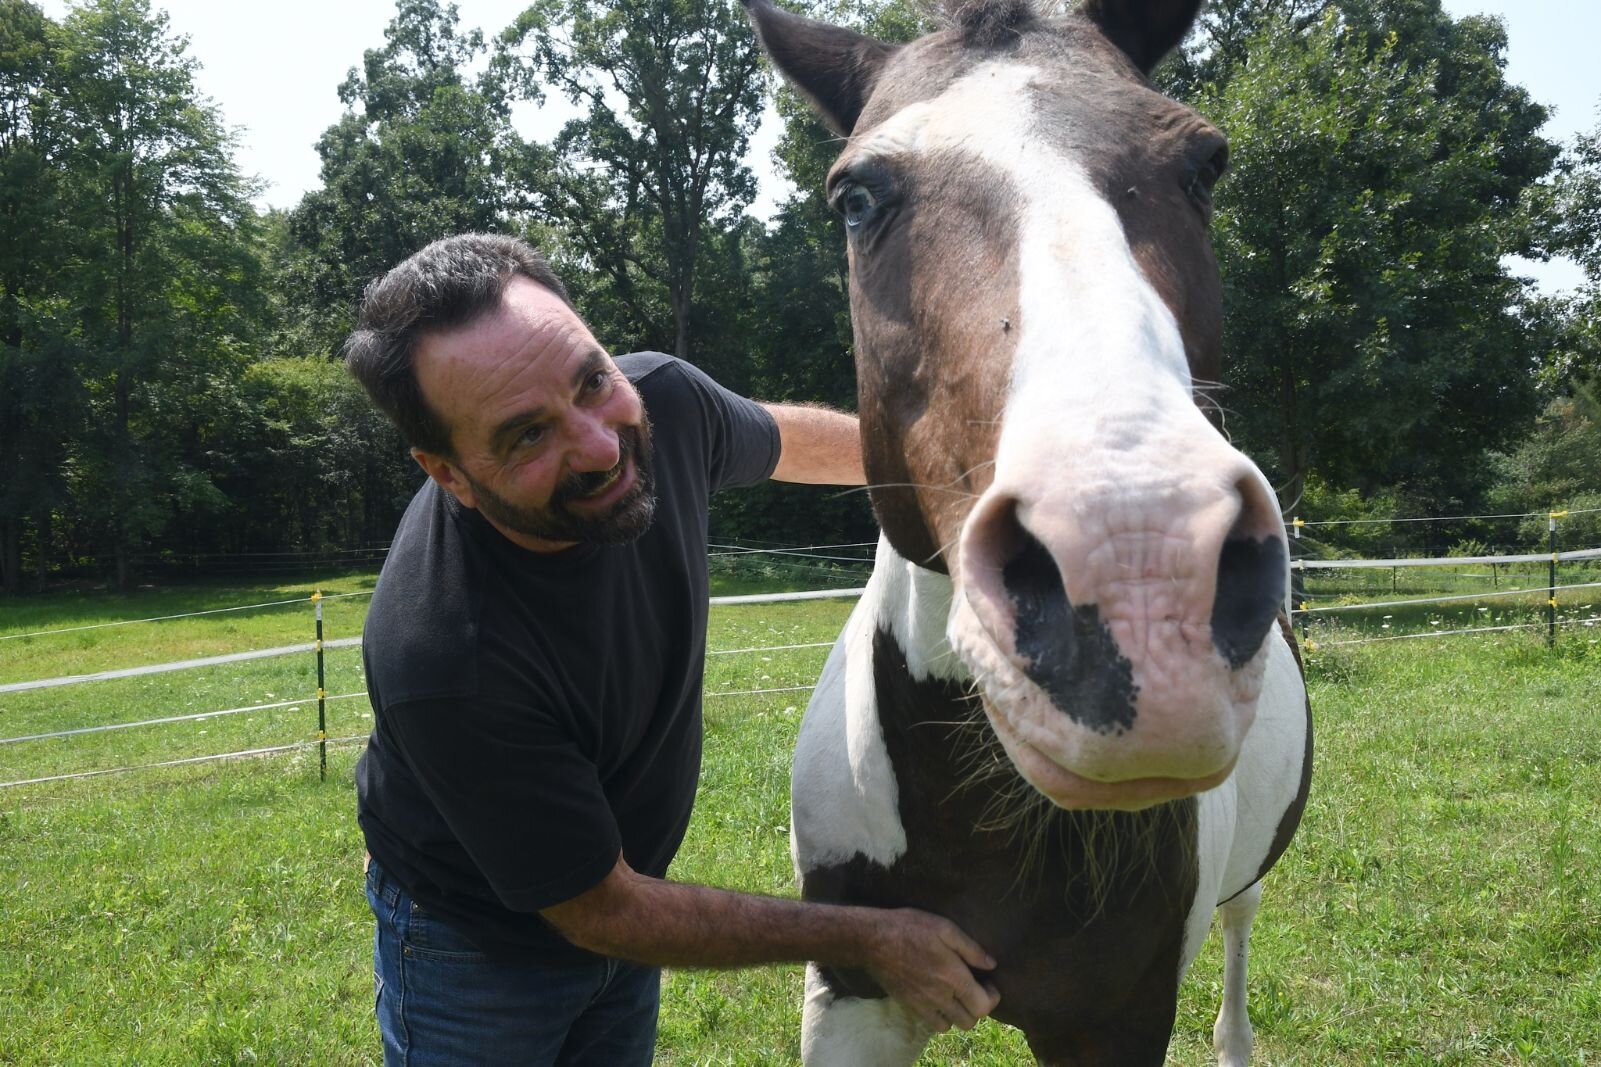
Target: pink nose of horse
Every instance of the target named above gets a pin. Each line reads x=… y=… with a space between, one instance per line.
x=1131 y=604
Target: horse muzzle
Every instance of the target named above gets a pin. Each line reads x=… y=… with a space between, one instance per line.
x=1117 y=630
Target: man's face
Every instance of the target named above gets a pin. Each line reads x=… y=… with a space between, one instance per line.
x=552 y=444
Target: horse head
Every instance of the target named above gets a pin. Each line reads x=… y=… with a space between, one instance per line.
x=1037 y=312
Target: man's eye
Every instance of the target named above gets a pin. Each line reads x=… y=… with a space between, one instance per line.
x=531 y=436
x=597 y=381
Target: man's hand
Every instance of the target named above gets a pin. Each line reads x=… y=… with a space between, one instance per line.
x=927 y=964
x=921 y=960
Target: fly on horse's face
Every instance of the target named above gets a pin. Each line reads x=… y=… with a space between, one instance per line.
x=1035 y=301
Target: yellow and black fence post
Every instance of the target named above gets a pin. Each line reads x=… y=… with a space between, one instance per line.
x=1298 y=596
x=1551 y=593
x=322 y=698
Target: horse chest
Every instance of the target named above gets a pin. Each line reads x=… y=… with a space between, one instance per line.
x=1085 y=911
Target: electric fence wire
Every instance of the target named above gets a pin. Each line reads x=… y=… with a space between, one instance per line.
x=203 y=715
x=1446 y=518
x=1426 y=634
x=199 y=716
x=184 y=615
x=723 y=550
x=1371 y=605
x=268 y=751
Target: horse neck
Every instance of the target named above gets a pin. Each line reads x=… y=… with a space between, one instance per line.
x=912 y=604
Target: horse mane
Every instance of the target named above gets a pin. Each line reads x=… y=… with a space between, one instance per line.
x=991 y=23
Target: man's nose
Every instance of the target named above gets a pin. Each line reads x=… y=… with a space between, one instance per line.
x=595 y=446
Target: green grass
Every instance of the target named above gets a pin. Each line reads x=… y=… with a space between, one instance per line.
x=67 y=650
x=1440 y=905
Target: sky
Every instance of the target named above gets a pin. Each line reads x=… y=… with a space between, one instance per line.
x=275 y=80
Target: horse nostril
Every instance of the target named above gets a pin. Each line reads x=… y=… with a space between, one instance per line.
x=1250 y=593
x=1034 y=586
x=1069 y=651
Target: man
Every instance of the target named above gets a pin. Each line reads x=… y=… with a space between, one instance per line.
x=534 y=654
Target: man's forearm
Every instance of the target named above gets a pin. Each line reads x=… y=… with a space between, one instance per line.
x=669 y=924
x=922 y=960
x=818 y=446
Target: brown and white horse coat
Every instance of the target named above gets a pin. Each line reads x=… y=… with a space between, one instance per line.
x=1062 y=714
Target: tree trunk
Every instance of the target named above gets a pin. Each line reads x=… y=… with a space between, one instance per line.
x=680 y=298
x=11 y=554
x=41 y=555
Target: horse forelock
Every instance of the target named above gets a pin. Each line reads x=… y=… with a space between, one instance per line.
x=988 y=23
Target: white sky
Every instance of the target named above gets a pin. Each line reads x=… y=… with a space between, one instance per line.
x=273 y=69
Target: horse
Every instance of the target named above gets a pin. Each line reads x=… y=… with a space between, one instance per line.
x=1068 y=712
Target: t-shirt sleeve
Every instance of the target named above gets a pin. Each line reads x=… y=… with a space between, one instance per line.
x=742 y=438
x=517 y=793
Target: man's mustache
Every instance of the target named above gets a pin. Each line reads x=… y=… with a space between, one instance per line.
x=585 y=483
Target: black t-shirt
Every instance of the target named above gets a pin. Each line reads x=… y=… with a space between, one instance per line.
x=535 y=713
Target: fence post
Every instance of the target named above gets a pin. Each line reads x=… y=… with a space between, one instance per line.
x=1298 y=604
x=1551 y=593
x=322 y=698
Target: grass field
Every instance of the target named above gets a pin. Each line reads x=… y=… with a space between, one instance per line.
x=1440 y=906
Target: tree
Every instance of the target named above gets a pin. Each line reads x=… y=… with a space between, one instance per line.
x=310 y=461
x=1576 y=222
x=1555 y=468
x=423 y=151
x=672 y=92
x=1572 y=219
x=802 y=344
x=1219 y=45
x=164 y=285
x=797 y=343
x=40 y=395
x=1371 y=332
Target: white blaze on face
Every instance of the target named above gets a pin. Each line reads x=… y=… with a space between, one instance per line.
x=1103 y=457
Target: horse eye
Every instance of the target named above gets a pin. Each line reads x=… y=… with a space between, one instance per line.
x=856 y=203
x=1204 y=177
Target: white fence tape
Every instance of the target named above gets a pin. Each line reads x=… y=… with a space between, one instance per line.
x=199 y=716
x=783 y=598
x=185 y=615
x=269 y=751
x=178 y=665
x=1369 y=605
x=1439 y=561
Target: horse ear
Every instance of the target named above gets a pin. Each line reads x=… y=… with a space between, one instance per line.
x=834 y=67
x=1146 y=30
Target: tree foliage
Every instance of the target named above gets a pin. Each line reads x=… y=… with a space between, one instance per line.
x=1371 y=332
x=1576 y=219
x=1555 y=466
x=40 y=393
x=671 y=92
x=136 y=305
x=424 y=150
x=166 y=374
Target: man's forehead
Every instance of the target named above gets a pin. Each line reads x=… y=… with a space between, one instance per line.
x=467 y=374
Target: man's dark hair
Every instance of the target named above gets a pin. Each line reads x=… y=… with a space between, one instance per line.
x=447 y=285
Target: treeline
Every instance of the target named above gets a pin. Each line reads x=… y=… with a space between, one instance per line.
x=169 y=376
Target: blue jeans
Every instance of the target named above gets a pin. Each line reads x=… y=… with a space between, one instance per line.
x=442 y=1003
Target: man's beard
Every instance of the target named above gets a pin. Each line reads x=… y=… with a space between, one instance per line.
x=624 y=522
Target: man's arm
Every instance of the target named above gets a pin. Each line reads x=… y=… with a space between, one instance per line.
x=920 y=959
x=817 y=445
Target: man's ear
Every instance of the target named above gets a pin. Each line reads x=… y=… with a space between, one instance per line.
x=833 y=67
x=445 y=472
x=1146 y=30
